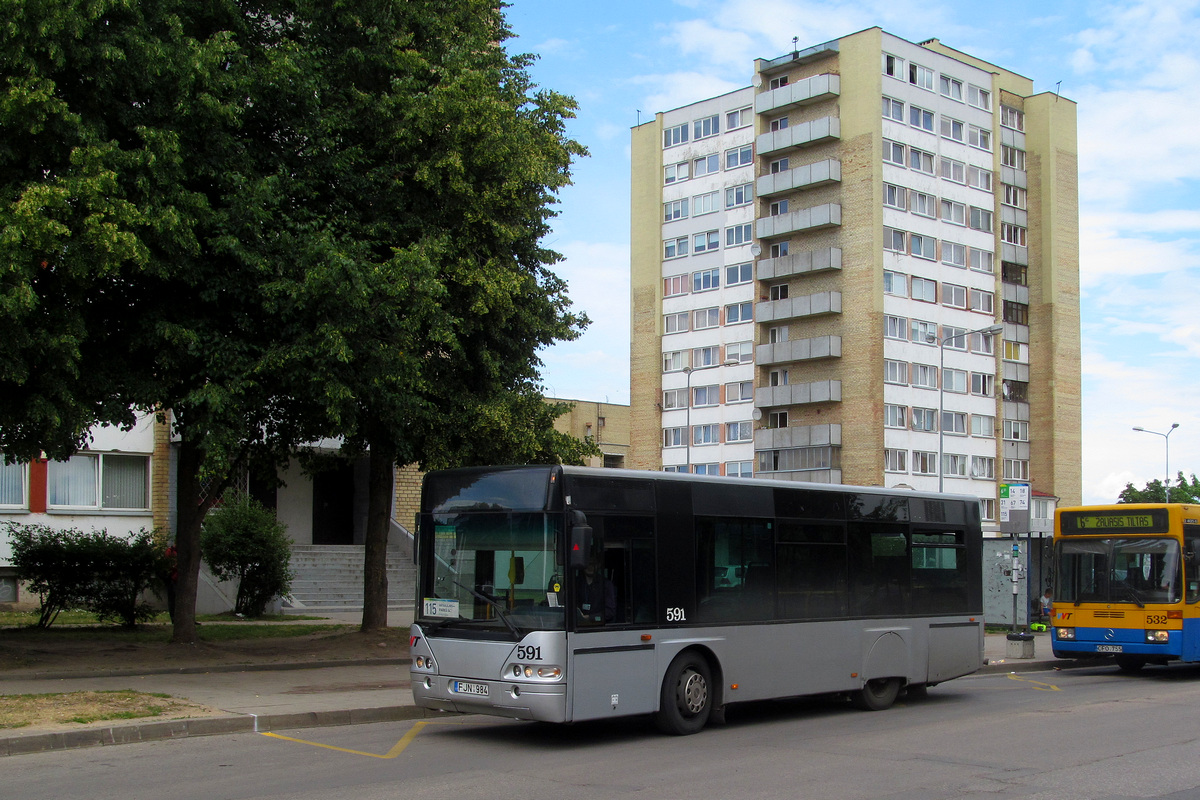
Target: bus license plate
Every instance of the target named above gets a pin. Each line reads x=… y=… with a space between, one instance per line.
x=462 y=687
x=1102 y=648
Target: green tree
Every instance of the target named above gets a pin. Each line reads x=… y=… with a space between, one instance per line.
x=1181 y=491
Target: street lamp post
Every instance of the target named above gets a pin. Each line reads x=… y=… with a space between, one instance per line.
x=991 y=330
x=687 y=430
x=1167 y=454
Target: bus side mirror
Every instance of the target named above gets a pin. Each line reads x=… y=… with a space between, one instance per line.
x=580 y=544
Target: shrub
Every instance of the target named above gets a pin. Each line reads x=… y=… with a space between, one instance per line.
x=242 y=541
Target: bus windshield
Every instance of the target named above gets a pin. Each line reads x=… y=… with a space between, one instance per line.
x=494 y=570
x=1137 y=570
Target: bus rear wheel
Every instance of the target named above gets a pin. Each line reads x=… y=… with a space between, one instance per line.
x=877 y=694
x=686 y=700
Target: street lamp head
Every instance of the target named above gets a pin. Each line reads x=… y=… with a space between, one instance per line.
x=1139 y=428
x=1174 y=425
x=993 y=330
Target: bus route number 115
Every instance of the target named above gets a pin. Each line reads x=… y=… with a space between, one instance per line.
x=676 y=615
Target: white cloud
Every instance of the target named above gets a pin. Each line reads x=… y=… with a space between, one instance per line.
x=677 y=89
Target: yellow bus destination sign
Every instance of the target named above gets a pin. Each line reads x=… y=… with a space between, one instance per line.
x=1124 y=521
x=1089 y=522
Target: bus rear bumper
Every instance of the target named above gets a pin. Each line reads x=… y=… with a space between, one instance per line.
x=541 y=702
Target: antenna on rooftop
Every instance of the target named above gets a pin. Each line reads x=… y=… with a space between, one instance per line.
x=795 y=43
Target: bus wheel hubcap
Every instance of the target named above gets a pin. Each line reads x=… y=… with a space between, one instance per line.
x=693 y=692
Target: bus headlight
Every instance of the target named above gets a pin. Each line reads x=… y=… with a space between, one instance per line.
x=536 y=672
x=423 y=662
x=1156 y=637
x=1065 y=634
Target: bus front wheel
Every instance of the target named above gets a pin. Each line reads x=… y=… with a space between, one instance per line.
x=686 y=700
x=1130 y=664
x=877 y=694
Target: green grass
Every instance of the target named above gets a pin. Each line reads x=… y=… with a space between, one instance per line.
x=17 y=619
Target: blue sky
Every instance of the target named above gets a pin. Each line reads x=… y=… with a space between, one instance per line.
x=1131 y=66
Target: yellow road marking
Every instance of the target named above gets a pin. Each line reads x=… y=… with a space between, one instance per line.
x=404 y=742
x=1038 y=685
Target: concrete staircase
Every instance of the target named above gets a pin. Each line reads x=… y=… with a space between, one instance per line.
x=329 y=578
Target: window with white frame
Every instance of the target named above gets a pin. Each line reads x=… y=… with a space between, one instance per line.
x=674 y=361
x=983 y=467
x=675 y=323
x=983 y=344
x=739 y=234
x=779 y=165
x=777 y=82
x=1012 y=118
x=779 y=124
x=778 y=377
x=12 y=484
x=895 y=196
x=951 y=87
x=739 y=312
x=777 y=419
x=895 y=372
x=954 y=296
x=675 y=398
x=895 y=416
x=675 y=248
x=895 y=460
x=893 y=109
x=675 y=209
x=981 y=219
x=739 y=118
x=954 y=423
x=739 y=392
x=739 y=431
x=893 y=66
x=777 y=334
x=920 y=118
x=893 y=153
x=983 y=426
x=99 y=481
x=923 y=289
x=954 y=380
x=1016 y=351
x=922 y=246
x=675 y=285
x=954 y=337
x=1015 y=196
x=705 y=242
x=1016 y=430
x=676 y=134
x=703 y=318
x=987 y=509
x=779 y=291
x=982 y=260
x=980 y=137
x=706 y=469
x=779 y=249
x=954 y=465
x=706 y=126
x=1013 y=234
x=1012 y=157
x=706 y=356
x=953 y=129
x=954 y=254
x=704 y=396
x=673 y=173
x=895 y=327
x=978 y=97
x=924 y=204
x=920 y=76
x=895 y=283
x=706 y=203
x=983 y=384
x=739 y=195
x=706 y=280
x=674 y=437
x=920 y=160
x=738 y=273
x=923 y=332
x=895 y=240
x=739 y=469
x=779 y=207
x=741 y=352
x=924 y=462
x=953 y=170
x=1042 y=509
x=739 y=157
x=979 y=178
x=1016 y=469
x=706 y=165
x=954 y=213
x=984 y=302
x=923 y=376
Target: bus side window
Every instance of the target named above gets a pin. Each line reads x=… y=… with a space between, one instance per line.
x=1191 y=562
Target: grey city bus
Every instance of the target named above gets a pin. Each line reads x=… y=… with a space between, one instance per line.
x=565 y=594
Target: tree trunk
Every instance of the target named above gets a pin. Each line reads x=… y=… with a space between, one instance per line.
x=190 y=515
x=379 y=508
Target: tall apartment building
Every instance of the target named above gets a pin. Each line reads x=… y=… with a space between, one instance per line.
x=863 y=268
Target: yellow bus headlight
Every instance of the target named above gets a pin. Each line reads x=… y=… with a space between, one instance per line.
x=1065 y=634
x=1155 y=637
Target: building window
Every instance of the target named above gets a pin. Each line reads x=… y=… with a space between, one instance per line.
x=920 y=160
x=674 y=361
x=703 y=318
x=706 y=203
x=1016 y=469
x=895 y=283
x=739 y=195
x=895 y=327
x=799 y=458
x=953 y=129
x=893 y=66
x=675 y=323
x=677 y=134
x=954 y=423
x=893 y=153
x=674 y=437
x=895 y=460
x=920 y=76
x=779 y=249
x=1013 y=234
x=920 y=118
x=99 y=481
x=981 y=219
x=1012 y=157
x=777 y=419
x=895 y=372
x=779 y=207
x=705 y=242
x=954 y=254
x=739 y=431
x=983 y=467
x=739 y=469
x=1016 y=351
x=980 y=137
x=777 y=377
x=951 y=87
x=706 y=356
x=954 y=213
x=739 y=312
x=893 y=109
x=1015 y=196
x=980 y=98
x=705 y=396
x=924 y=204
x=981 y=260
x=1012 y=118
x=779 y=165
x=983 y=425
x=739 y=118
x=675 y=209
x=923 y=376
x=922 y=246
x=706 y=434
x=739 y=157
x=1016 y=313
x=675 y=398
x=895 y=196
x=979 y=178
x=738 y=273
x=954 y=296
x=954 y=465
x=983 y=384
x=954 y=338
x=894 y=240
x=675 y=248
x=895 y=416
x=987 y=509
x=777 y=334
x=1016 y=430
x=1014 y=273
x=923 y=289
x=677 y=172
x=708 y=126
x=924 y=462
x=739 y=392
x=12 y=484
x=777 y=83
x=779 y=124
x=982 y=343
x=982 y=301
x=953 y=170
x=954 y=380
x=923 y=332
x=706 y=280
x=706 y=165
x=742 y=352
x=739 y=234
x=779 y=292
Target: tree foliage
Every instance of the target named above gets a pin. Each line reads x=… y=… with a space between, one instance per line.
x=243 y=542
x=1182 y=491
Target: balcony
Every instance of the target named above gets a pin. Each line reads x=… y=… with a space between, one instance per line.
x=818 y=347
x=808 y=176
x=802 y=93
x=798 y=394
x=816 y=218
x=813 y=261
x=802 y=134
x=798 y=436
x=808 y=305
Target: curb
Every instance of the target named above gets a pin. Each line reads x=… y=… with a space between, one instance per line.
x=210 y=726
x=1001 y=666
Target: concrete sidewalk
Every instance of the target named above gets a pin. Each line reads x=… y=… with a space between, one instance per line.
x=291 y=696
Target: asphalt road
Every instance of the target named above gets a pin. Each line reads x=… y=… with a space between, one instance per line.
x=1088 y=734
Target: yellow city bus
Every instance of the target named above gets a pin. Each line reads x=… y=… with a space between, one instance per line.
x=1127 y=582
